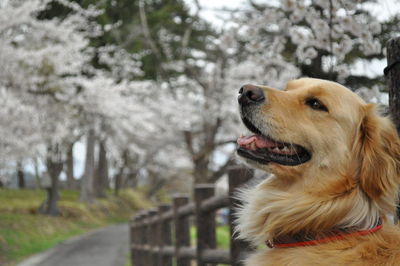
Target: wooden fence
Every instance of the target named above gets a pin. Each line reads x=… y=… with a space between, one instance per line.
x=161 y=236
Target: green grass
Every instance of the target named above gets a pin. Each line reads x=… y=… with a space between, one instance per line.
x=128 y=261
x=223 y=236
x=23 y=231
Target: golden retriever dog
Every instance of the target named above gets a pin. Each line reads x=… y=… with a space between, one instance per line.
x=335 y=165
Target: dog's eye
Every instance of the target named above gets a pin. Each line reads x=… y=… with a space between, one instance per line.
x=316 y=105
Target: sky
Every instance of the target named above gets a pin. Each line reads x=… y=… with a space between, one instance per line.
x=211 y=9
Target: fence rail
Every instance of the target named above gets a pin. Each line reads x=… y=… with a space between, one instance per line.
x=161 y=236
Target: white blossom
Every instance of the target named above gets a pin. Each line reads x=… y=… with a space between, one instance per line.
x=332 y=29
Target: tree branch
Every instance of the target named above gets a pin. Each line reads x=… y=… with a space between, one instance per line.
x=222 y=170
x=189 y=142
x=190 y=72
x=188 y=32
x=214 y=131
x=146 y=30
x=224 y=142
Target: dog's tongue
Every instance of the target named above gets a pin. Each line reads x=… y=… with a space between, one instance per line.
x=255 y=141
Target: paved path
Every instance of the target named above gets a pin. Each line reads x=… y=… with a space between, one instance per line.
x=104 y=247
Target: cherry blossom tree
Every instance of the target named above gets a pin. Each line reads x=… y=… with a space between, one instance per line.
x=111 y=113
x=18 y=124
x=324 y=39
x=199 y=101
x=58 y=88
x=269 y=43
x=44 y=59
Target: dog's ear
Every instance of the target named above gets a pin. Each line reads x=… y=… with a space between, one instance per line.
x=378 y=155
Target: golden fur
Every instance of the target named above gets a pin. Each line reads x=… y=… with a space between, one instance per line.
x=351 y=180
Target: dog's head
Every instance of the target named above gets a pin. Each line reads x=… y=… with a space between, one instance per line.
x=320 y=138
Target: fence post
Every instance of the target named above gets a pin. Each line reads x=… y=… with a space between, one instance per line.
x=182 y=229
x=145 y=239
x=150 y=236
x=205 y=222
x=158 y=239
x=392 y=72
x=164 y=236
x=140 y=260
x=238 y=248
x=133 y=238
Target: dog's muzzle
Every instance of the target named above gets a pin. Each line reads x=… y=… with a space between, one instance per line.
x=261 y=147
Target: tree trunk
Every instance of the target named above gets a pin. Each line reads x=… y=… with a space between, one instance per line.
x=37 y=175
x=156 y=183
x=392 y=71
x=201 y=172
x=20 y=175
x=53 y=197
x=201 y=156
x=54 y=169
x=131 y=179
x=118 y=181
x=70 y=167
x=87 y=193
x=102 y=172
x=393 y=78
x=54 y=166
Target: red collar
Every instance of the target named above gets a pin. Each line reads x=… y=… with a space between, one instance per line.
x=301 y=240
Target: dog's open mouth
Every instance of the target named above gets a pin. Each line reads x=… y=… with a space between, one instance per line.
x=264 y=149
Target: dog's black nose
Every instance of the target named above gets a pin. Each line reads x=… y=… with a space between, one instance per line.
x=250 y=94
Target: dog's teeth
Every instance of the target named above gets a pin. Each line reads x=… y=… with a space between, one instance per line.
x=275 y=149
x=285 y=149
x=253 y=146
